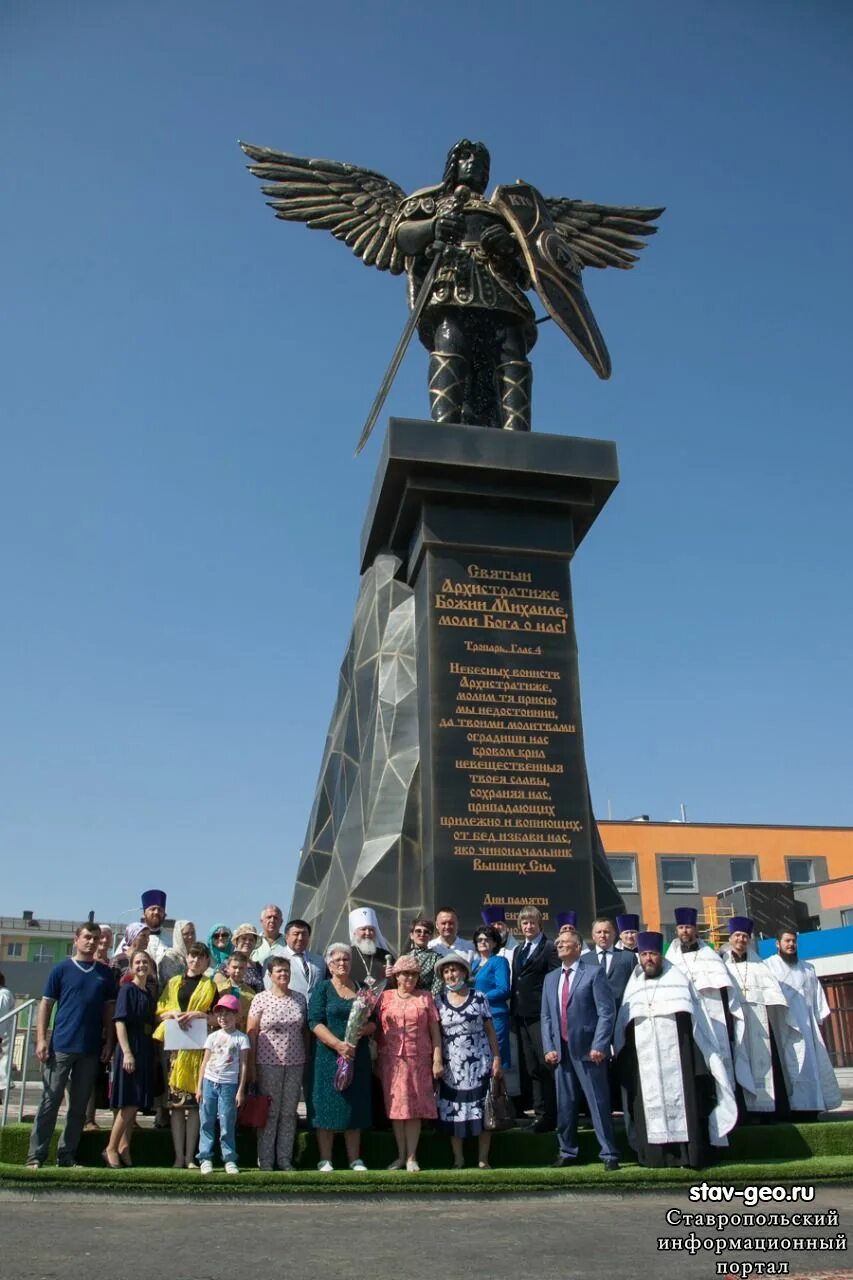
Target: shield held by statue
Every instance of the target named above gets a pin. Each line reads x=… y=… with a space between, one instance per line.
x=554 y=270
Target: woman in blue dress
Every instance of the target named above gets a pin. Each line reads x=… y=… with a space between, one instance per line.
x=493 y=978
x=132 y=1085
x=470 y=1055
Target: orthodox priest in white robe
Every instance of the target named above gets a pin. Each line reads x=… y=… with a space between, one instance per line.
x=715 y=987
x=815 y=1087
x=769 y=1034
x=678 y=1101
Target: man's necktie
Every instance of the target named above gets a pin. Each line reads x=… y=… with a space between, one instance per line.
x=564 y=1004
x=525 y=954
x=305 y=968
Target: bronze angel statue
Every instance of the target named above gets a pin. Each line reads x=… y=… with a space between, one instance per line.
x=470 y=263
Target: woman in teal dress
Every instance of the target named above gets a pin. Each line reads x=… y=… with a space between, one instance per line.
x=347 y=1111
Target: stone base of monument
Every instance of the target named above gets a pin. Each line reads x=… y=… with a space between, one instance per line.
x=454 y=771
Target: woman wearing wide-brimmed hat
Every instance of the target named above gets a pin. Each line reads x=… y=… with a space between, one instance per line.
x=471 y=1058
x=409 y=1058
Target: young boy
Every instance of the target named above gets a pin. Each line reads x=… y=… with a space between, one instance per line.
x=222 y=1084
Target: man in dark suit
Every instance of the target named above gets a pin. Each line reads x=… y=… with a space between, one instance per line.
x=531 y=961
x=617 y=965
x=578 y=1014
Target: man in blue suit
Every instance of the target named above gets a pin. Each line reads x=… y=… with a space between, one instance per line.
x=578 y=1013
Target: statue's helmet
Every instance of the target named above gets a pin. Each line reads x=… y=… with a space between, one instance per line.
x=463 y=147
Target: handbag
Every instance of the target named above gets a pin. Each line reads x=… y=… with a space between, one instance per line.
x=498 y=1111
x=254 y=1110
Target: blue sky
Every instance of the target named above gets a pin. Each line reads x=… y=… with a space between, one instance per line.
x=184 y=379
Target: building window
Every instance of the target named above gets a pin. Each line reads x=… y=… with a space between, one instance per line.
x=742 y=870
x=69 y=947
x=623 y=868
x=800 y=870
x=43 y=955
x=678 y=875
x=15 y=949
x=846 y=919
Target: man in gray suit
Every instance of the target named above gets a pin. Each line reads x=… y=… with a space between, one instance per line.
x=306 y=967
x=578 y=1013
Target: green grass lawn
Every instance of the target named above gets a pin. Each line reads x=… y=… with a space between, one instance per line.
x=821 y=1152
x=455 y=1182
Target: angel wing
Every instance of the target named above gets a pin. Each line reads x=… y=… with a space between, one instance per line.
x=356 y=205
x=602 y=235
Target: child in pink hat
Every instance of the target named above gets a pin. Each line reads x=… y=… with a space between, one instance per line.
x=222 y=1085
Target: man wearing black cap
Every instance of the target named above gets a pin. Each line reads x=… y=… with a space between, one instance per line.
x=627 y=927
x=677 y=1097
x=496 y=917
x=715 y=987
x=154 y=913
x=770 y=1037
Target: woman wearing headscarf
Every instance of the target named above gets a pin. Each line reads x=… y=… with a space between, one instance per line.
x=409 y=1058
x=186 y=998
x=219 y=945
x=174 y=959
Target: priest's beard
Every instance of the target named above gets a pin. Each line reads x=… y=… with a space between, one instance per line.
x=654 y=968
x=789 y=959
x=366 y=946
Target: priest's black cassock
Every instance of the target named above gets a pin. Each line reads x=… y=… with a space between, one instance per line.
x=678 y=1100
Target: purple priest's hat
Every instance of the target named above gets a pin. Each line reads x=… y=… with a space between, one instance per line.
x=627 y=922
x=153 y=898
x=566 y=917
x=740 y=924
x=686 y=915
x=650 y=941
x=493 y=915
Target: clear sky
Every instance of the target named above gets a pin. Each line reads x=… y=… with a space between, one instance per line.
x=184 y=379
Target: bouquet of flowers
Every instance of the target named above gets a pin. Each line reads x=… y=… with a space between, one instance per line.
x=359 y=1015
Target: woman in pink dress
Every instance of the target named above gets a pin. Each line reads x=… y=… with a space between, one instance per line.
x=409 y=1041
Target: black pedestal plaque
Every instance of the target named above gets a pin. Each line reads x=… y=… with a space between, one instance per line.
x=462 y=780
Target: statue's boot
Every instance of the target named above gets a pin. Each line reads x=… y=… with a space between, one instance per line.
x=447 y=374
x=515 y=382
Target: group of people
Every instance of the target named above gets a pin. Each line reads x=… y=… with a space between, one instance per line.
x=188 y=1029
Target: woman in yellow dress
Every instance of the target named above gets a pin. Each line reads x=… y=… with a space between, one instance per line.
x=185 y=998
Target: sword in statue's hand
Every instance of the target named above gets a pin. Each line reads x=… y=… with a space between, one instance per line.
x=460 y=196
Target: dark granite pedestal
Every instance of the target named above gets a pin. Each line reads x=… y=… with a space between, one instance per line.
x=454 y=771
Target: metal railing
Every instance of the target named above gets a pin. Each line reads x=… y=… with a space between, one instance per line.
x=17 y=1041
x=838 y=1033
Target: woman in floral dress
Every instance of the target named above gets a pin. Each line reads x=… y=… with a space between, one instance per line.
x=471 y=1057
x=409 y=1058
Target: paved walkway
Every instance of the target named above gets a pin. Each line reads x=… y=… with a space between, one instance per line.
x=591 y=1235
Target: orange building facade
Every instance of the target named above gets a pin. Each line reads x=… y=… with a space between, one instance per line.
x=658 y=866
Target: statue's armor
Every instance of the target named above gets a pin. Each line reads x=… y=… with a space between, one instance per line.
x=467 y=276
